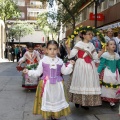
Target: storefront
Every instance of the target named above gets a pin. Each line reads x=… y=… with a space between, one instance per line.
x=111 y=17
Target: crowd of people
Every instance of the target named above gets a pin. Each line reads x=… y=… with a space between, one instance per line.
x=89 y=84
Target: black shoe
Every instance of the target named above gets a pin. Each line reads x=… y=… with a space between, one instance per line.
x=85 y=107
x=77 y=105
x=53 y=118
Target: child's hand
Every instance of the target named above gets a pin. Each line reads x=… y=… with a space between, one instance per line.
x=19 y=64
x=72 y=62
x=25 y=71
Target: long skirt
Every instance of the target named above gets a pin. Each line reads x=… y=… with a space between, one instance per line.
x=109 y=93
x=84 y=87
x=84 y=100
x=42 y=106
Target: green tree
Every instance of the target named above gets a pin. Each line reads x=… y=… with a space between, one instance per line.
x=69 y=10
x=44 y=25
x=21 y=29
x=8 y=10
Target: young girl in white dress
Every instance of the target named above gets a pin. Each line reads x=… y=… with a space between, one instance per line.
x=50 y=99
x=31 y=59
x=110 y=62
x=85 y=86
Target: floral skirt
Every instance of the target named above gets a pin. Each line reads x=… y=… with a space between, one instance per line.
x=29 y=82
x=82 y=99
x=46 y=114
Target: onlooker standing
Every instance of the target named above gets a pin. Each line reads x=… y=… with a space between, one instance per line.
x=12 y=53
x=63 y=52
x=23 y=51
x=17 y=53
x=109 y=35
x=118 y=42
x=6 y=52
x=96 y=42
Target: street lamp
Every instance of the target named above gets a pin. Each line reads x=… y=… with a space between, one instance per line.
x=96 y=5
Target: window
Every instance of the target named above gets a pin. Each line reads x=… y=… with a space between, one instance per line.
x=105 y=4
x=80 y=17
x=110 y=3
x=99 y=9
x=91 y=8
x=117 y=1
x=21 y=3
x=31 y=14
x=22 y=15
x=84 y=14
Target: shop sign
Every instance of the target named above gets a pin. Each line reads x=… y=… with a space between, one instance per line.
x=100 y=16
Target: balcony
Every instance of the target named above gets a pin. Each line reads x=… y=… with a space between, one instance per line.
x=34 y=6
x=31 y=18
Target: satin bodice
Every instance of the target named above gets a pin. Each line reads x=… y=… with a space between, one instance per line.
x=87 y=58
x=53 y=74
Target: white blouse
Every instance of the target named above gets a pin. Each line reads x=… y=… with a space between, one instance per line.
x=85 y=46
x=30 y=56
x=47 y=60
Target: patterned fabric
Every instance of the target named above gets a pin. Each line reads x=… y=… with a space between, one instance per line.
x=45 y=114
x=84 y=100
x=110 y=99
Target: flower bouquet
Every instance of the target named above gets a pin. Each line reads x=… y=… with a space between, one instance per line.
x=20 y=68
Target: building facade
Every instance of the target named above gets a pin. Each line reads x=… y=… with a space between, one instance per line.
x=108 y=8
x=29 y=10
x=2 y=38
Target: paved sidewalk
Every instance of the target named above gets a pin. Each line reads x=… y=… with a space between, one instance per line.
x=16 y=103
x=3 y=60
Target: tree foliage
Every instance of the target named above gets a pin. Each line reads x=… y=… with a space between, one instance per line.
x=68 y=10
x=21 y=29
x=8 y=10
x=44 y=25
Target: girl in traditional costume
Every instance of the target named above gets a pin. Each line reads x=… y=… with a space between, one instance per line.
x=31 y=58
x=50 y=99
x=110 y=62
x=85 y=87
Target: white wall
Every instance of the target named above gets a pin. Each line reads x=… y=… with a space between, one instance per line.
x=2 y=39
x=36 y=37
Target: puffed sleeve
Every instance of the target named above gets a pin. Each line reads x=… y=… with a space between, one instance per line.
x=74 y=51
x=37 y=72
x=66 y=70
x=94 y=53
x=101 y=65
x=118 y=64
